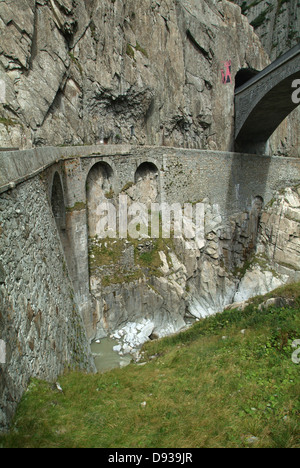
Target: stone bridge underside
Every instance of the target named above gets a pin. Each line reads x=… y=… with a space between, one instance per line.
x=264 y=101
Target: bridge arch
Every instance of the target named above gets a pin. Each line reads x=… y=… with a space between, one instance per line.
x=147 y=183
x=99 y=191
x=264 y=101
x=146 y=169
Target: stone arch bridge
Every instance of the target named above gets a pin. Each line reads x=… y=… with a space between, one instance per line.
x=182 y=176
x=264 y=101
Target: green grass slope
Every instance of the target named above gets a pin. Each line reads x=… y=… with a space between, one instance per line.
x=229 y=381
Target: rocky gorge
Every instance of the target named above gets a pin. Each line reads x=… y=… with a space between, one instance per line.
x=146 y=75
x=240 y=256
x=147 y=289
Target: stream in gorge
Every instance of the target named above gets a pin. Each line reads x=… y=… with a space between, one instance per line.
x=106 y=358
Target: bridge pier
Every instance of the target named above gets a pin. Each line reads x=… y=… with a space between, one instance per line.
x=77 y=232
x=79 y=268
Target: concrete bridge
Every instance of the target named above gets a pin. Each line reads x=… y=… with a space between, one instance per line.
x=229 y=180
x=264 y=101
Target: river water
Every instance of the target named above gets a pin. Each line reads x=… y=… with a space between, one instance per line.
x=106 y=358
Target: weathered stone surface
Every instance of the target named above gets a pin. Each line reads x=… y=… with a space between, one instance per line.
x=256 y=283
x=277 y=251
x=240 y=256
x=145 y=72
x=277 y=302
x=277 y=23
x=280 y=232
x=169 y=283
x=39 y=320
x=139 y=72
x=2 y=274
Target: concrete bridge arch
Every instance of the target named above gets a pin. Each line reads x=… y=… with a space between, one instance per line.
x=264 y=101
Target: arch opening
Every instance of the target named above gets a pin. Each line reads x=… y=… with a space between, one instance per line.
x=146 y=183
x=244 y=75
x=99 y=192
x=146 y=170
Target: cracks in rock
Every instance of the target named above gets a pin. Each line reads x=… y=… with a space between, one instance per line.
x=67 y=28
x=33 y=52
x=75 y=42
x=55 y=102
x=207 y=55
x=132 y=104
x=18 y=65
x=166 y=20
x=12 y=58
x=20 y=30
x=63 y=8
x=188 y=11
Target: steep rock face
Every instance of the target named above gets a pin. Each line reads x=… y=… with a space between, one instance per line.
x=144 y=72
x=276 y=22
x=163 y=284
x=279 y=238
x=276 y=259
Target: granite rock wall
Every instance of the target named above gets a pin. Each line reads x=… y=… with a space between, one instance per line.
x=142 y=72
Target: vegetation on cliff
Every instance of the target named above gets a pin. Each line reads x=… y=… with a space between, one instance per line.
x=229 y=381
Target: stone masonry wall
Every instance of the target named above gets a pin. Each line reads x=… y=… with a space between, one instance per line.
x=39 y=321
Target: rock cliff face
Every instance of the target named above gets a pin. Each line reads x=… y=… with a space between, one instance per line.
x=154 y=287
x=114 y=71
x=276 y=22
x=147 y=73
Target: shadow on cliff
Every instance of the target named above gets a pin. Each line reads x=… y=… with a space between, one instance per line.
x=248 y=191
x=249 y=178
